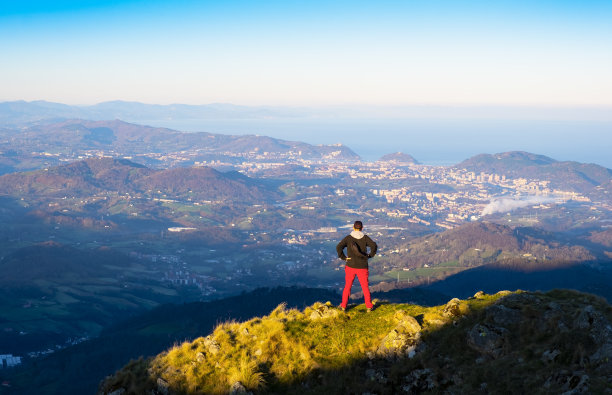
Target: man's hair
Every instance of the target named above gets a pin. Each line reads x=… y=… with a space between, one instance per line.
x=358 y=225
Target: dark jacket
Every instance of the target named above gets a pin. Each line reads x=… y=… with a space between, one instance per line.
x=356 y=247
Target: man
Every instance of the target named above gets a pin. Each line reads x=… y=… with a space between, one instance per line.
x=356 y=245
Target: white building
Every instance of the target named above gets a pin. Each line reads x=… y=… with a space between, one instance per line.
x=8 y=361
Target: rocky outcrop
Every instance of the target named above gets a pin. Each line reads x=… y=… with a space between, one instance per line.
x=322 y=311
x=488 y=339
x=401 y=340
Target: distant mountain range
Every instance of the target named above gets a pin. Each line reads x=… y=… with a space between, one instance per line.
x=22 y=113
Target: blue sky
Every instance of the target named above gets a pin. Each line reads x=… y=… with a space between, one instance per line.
x=309 y=53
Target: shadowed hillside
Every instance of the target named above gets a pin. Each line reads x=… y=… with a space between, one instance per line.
x=103 y=175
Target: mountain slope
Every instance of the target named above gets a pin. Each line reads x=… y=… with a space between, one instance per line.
x=437 y=256
x=579 y=177
x=131 y=139
x=88 y=177
x=562 y=341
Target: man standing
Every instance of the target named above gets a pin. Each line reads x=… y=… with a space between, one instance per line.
x=356 y=245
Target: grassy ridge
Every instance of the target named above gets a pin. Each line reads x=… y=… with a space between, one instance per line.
x=505 y=343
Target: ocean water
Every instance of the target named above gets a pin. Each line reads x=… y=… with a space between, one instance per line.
x=430 y=141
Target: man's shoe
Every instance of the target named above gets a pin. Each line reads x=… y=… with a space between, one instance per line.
x=343 y=308
x=369 y=310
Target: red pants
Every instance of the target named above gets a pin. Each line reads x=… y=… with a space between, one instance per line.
x=349 y=277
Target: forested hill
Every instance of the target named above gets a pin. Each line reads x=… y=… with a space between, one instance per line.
x=579 y=177
x=89 y=177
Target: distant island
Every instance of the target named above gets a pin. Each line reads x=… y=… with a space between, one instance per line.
x=399 y=157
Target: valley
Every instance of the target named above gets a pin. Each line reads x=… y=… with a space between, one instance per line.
x=112 y=228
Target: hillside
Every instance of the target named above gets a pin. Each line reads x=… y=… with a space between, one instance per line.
x=477 y=243
x=36 y=145
x=437 y=256
x=579 y=177
x=518 y=342
x=88 y=177
x=79 y=368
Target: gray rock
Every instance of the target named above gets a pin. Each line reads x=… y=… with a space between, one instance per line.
x=502 y=315
x=419 y=380
x=452 y=308
x=119 y=391
x=376 y=375
x=200 y=357
x=519 y=300
x=323 y=311
x=211 y=345
x=569 y=383
x=549 y=356
x=403 y=339
x=162 y=386
x=488 y=339
x=406 y=322
x=577 y=383
x=600 y=330
x=398 y=343
x=238 y=389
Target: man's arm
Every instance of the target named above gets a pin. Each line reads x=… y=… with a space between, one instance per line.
x=340 y=249
x=373 y=247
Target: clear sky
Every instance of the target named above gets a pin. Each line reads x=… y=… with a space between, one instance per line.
x=447 y=52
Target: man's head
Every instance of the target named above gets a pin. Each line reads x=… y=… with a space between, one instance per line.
x=358 y=225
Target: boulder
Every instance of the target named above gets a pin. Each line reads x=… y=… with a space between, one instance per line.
x=488 y=339
x=238 y=389
x=398 y=344
x=162 y=386
x=406 y=322
x=521 y=299
x=401 y=340
x=211 y=345
x=323 y=311
x=502 y=315
x=452 y=308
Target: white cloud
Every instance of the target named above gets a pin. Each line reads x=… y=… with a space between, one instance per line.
x=503 y=205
